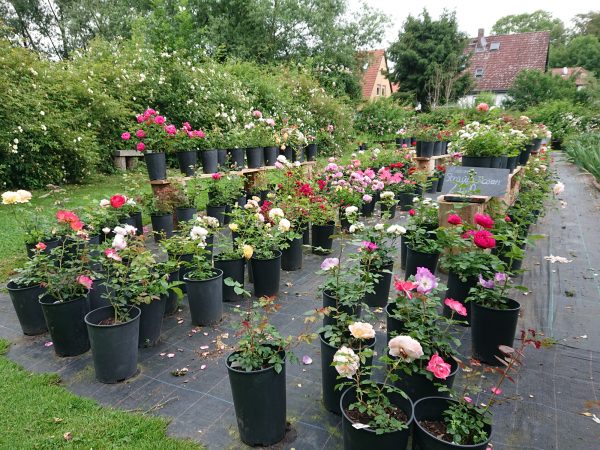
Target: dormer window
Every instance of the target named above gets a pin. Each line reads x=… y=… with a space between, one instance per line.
x=478 y=72
x=494 y=46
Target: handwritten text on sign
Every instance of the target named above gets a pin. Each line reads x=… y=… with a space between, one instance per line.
x=485 y=181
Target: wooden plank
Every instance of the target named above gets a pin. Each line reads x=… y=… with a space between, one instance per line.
x=120 y=162
x=128 y=153
x=428 y=164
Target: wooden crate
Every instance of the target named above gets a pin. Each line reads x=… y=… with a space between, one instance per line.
x=465 y=210
x=428 y=164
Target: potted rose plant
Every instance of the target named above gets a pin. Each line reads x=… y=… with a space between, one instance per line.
x=422 y=247
x=230 y=258
x=160 y=206
x=322 y=218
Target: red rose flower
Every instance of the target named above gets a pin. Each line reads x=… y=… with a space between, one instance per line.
x=412 y=212
x=118 y=200
x=507 y=219
x=484 y=220
x=454 y=219
x=484 y=239
x=216 y=176
x=468 y=234
x=322 y=184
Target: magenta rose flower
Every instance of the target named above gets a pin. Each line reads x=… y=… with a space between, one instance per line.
x=438 y=367
x=484 y=220
x=484 y=239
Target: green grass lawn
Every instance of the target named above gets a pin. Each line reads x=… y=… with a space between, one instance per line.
x=37 y=413
x=12 y=247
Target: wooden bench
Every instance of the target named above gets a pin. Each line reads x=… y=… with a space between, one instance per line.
x=126 y=159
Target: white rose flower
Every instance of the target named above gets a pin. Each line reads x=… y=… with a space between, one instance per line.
x=351 y=210
x=276 y=212
x=104 y=203
x=346 y=362
x=119 y=243
x=198 y=233
x=129 y=229
x=398 y=230
x=282 y=159
x=120 y=231
x=362 y=330
x=379 y=227
x=406 y=348
x=284 y=225
x=386 y=194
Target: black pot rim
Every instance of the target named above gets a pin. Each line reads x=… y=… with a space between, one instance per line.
x=457 y=446
x=96 y=325
x=277 y=255
x=150 y=152
x=161 y=214
x=252 y=372
x=219 y=273
x=422 y=253
x=187 y=151
x=12 y=286
x=83 y=297
x=328 y=224
x=516 y=306
x=409 y=421
x=216 y=258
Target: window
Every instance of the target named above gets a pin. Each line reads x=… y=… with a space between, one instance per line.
x=494 y=46
x=378 y=89
x=383 y=90
x=478 y=73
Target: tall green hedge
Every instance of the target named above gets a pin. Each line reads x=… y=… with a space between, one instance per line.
x=60 y=121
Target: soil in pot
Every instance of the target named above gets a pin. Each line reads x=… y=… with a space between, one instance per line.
x=491 y=328
x=114 y=345
x=205 y=298
x=210 y=161
x=291 y=257
x=151 y=319
x=26 y=302
x=266 y=275
x=234 y=269
x=322 y=239
x=416 y=259
x=366 y=438
x=259 y=398
x=430 y=428
x=187 y=162
x=66 y=325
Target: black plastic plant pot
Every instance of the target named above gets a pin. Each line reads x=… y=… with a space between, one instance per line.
x=288 y=153
x=432 y=409
x=476 y=161
x=459 y=290
x=156 y=164
x=344 y=222
x=259 y=399
x=306 y=234
x=138 y=223
x=205 y=298
x=297 y=154
x=266 y=274
x=366 y=209
x=437 y=148
x=330 y=301
x=185 y=214
x=241 y=201
x=381 y=286
x=495 y=162
x=416 y=259
x=221 y=157
x=255 y=157
x=367 y=438
x=218 y=212
x=426 y=149
x=417 y=386
x=440 y=183
x=432 y=189
x=525 y=154
x=187 y=162
x=406 y=200
x=172 y=300
x=162 y=225
x=66 y=325
x=390 y=210
x=151 y=319
x=329 y=376
x=26 y=301
x=50 y=244
x=291 y=257
x=234 y=269
x=184 y=268
x=99 y=295
x=322 y=240
x=512 y=163
x=491 y=328
x=504 y=162
x=403 y=251
x=394 y=326
x=114 y=346
x=210 y=160
x=399 y=142
x=270 y=155
x=236 y=158
x=537 y=144
x=311 y=152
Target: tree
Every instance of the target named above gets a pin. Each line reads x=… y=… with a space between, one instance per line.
x=588 y=23
x=532 y=87
x=536 y=21
x=583 y=51
x=430 y=60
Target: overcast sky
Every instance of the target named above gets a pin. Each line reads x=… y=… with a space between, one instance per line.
x=473 y=14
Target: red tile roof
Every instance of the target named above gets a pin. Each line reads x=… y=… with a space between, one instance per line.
x=579 y=74
x=516 y=52
x=374 y=58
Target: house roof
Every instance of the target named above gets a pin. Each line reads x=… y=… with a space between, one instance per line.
x=515 y=53
x=374 y=58
x=579 y=74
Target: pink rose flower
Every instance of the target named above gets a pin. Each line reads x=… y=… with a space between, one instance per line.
x=40 y=246
x=140 y=147
x=126 y=136
x=140 y=133
x=438 y=367
x=483 y=107
x=159 y=120
x=496 y=391
x=454 y=219
x=216 y=176
x=85 y=281
x=139 y=118
x=484 y=220
x=484 y=239
x=256 y=113
x=456 y=306
x=171 y=129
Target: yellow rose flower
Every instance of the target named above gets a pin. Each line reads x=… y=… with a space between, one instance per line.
x=234 y=227
x=24 y=196
x=248 y=251
x=10 y=198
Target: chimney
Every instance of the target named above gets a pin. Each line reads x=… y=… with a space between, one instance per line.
x=480 y=33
